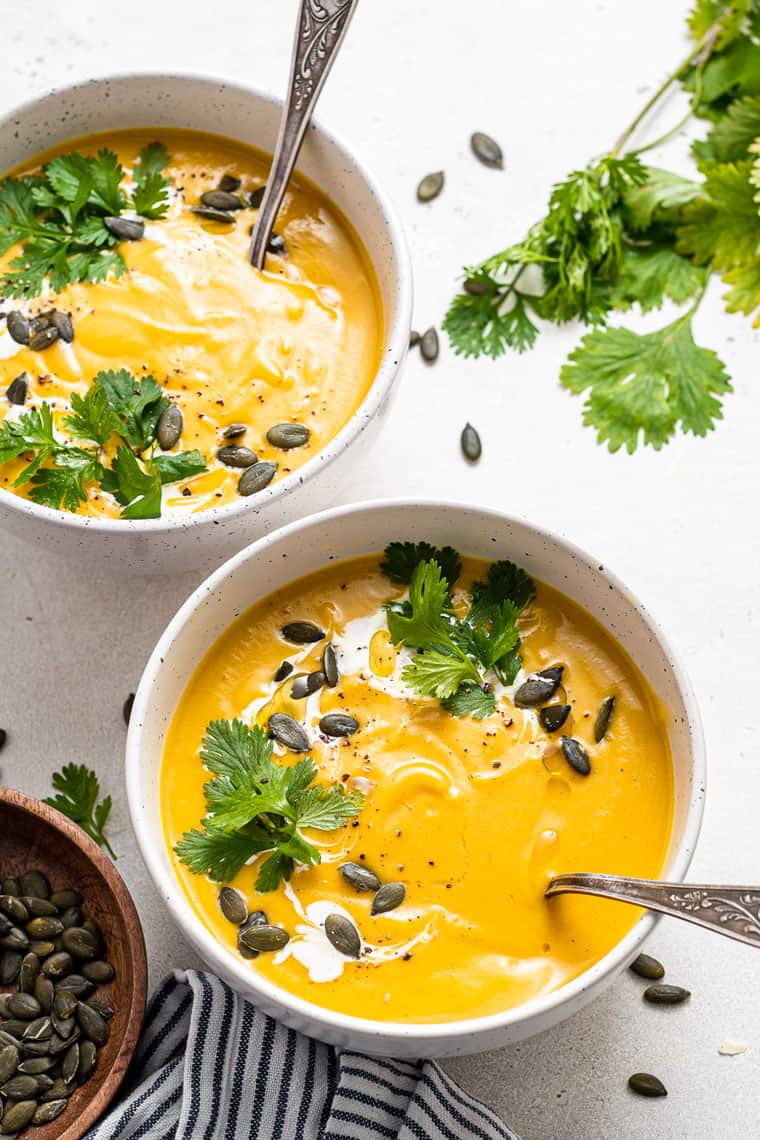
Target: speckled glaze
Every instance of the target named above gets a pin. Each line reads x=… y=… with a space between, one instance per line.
x=182 y=542
x=348 y=532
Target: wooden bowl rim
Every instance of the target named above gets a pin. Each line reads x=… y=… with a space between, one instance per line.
x=96 y=1106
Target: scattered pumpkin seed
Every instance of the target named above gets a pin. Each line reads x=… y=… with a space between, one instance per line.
x=18 y=326
x=256 y=197
x=233 y=431
x=388 y=898
x=288 y=732
x=64 y=324
x=429 y=346
x=284 y=670
x=210 y=215
x=257 y=918
x=169 y=427
x=287 y=436
x=478 y=286
x=17 y=390
x=256 y=478
x=302 y=632
x=552 y=717
x=233 y=905
x=470 y=441
x=125 y=229
x=487 y=150
x=264 y=938
x=663 y=994
x=359 y=877
x=307 y=684
x=343 y=935
x=645 y=1084
x=647 y=967
x=338 y=724
x=330 y=666
x=229 y=183
x=603 y=718
x=430 y=186
x=233 y=455
x=576 y=755
x=276 y=245
x=222 y=200
x=538 y=687
x=414 y=338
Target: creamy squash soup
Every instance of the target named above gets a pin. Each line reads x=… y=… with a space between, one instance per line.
x=374 y=773
x=145 y=366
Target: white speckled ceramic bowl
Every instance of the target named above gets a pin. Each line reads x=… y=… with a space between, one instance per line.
x=181 y=542
x=349 y=532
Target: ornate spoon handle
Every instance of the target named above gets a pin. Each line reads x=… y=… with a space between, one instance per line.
x=319 y=33
x=733 y=911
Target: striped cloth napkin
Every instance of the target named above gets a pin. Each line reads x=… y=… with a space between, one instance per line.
x=210 y=1066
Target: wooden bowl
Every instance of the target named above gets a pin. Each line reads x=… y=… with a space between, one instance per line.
x=33 y=835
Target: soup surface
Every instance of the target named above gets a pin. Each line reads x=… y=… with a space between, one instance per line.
x=298 y=343
x=472 y=816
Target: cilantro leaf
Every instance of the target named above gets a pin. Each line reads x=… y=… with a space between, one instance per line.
x=137 y=490
x=138 y=404
x=78 y=789
x=439 y=673
x=734 y=132
x=31 y=431
x=505 y=582
x=220 y=854
x=650 y=275
x=91 y=416
x=402 y=559
x=706 y=13
x=63 y=486
x=657 y=198
x=150 y=197
x=723 y=226
x=181 y=465
x=470 y=700
x=490 y=322
x=642 y=387
x=424 y=623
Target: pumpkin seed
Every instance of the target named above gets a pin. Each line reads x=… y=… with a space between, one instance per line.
x=65 y=1004
x=41 y=947
x=125 y=229
x=63 y=322
x=645 y=1084
x=430 y=186
x=343 y=935
x=256 y=197
x=105 y=1011
x=61 y=1044
x=232 y=431
x=478 y=286
x=338 y=724
x=235 y=456
x=70 y=1063
x=470 y=441
x=23 y=1006
x=287 y=436
x=276 y=245
x=285 y=669
x=9 y=1039
x=538 y=687
x=64 y=899
x=98 y=971
x=74 y=983
x=257 y=918
x=663 y=994
x=211 y=215
x=15 y=939
x=40 y=1029
x=44 y=991
x=388 y=898
x=93 y=1026
x=80 y=943
x=359 y=877
x=263 y=937
x=14 y=1029
x=229 y=183
x=59 y=1090
x=47 y=1112
x=429 y=346
x=9 y=1062
x=18 y=327
x=647 y=967
x=330 y=666
x=58 y=966
x=10 y=964
x=552 y=717
x=37 y=1065
x=30 y=968
x=88 y=1055
x=221 y=200
x=45 y=927
x=17 y=1116
x=34 y=883
x=63 y=1026
x=169 y=427
x=414 y=338
x=20 y=1087
x=576 y=755
x=93 y=928
x=307 y=684
x=71 y=917
x=302 y=632
x=603 y=718
x=233 y=905
x=10 y=887
x=487 y=150
x=288 y=732
x=39 y=907
x=256 y=478
x=17 y=390
x=14 y=908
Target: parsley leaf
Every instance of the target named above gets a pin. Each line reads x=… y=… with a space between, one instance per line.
x=402 y=559
x=471 y=700
x=64 y=484
x=138 y=404
x=150 y=198
x=181 y=465
x=257 y=804
x=137 y=489
x=78 y=789
x=91 y=416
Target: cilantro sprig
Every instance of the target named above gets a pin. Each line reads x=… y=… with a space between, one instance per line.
x=78 y=789
x=455 y=655
x=257 y=805
x=618 y=234
x=59 y=217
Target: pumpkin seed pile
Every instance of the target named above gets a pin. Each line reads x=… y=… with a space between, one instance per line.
x=659 y=993
x=39 y=332
x=50 y=1027
x=537 y=690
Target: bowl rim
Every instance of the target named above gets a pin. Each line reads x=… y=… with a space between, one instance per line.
x=394 y=343
x=92 y=1109
x=153 y=848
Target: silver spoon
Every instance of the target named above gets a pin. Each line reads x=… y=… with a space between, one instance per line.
x=733 y=911
x=319 y=33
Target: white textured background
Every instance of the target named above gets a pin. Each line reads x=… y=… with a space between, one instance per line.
x=555 y=83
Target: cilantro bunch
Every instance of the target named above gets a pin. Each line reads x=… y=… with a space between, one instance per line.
x=117 y=405
x=620 y=233
x=256 y=804
x=59 y=217
x=454 y=656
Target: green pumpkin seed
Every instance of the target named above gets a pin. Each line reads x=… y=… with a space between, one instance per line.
x=59 y=1045
x=287 y=436
x=430 y=186
x=93 y=1026
x=70 y=1063
x=39 y=907
x=10 y=964
x=603 y=718
x=65 y=1004
x=169 y=427
x=538 y=687
x=359 y=877
x=338 y=724
x=302 y=632
x=9 y=1062
x=307 y=684
x=343 y=935
x=125 y=229
x=487 y=150
x=63 y=1026
x=98 y=971
x=30 y=968
x=71 y=917
x=35 y=1066
x=80 y=943
x=647 y=967
x=18 y=327
x=284 y=670
x=229 y=183
x=44 y=991
x=576 y=755
x=663 y=994
x=65 y=899
x=276 y=244
x=429 y=347
x=105 y=1011
x=34 y=883
x=330 y=666
x=43 y=338
x=645 y=1084
x=50 y=1111
x=63 y=322
x=41 y=1029
x=41 y=948
x=59 y=1090
x=388 y=898
x=23 y=1006
x=414 y=338
x=222 y=200
x=126 y=708
x=479 y=286
x=256 y=197
x=15 y=939
x=14 y=1028
x=257 y=918
x=58 y=965
x=233 y=905
x=17 y=390
x=45 y=927
x=17 y=1116
x=552 y=717
x=288 y=732
x=235 y=456
x=74 y=983
x=8 y=1039
x=88 y=1055
x=233 y=431
x=264 y=937
x=470 y=441
x=256 y=478
x=14 y=908
x=20 y=1087
x=209 y=214
x=10 y=887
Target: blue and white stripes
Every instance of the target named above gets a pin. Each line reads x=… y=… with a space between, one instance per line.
x=210 y=1066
